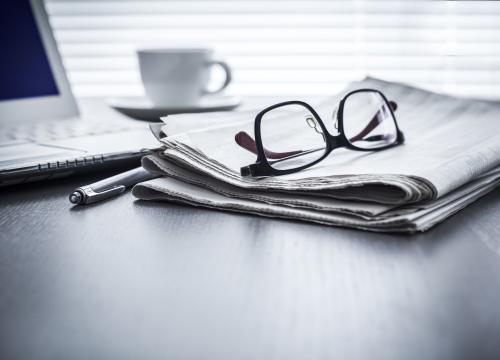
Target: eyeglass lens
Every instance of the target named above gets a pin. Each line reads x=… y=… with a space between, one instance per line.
x=368 y=121
x=291 y=137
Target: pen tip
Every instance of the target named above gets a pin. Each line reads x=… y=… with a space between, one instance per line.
x=75 y=198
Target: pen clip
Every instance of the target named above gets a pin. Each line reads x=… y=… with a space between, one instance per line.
x=92 y=196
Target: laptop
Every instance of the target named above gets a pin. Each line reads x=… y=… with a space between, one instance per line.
x=42 y=135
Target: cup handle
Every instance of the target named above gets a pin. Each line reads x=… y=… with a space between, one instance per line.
x=227 y=81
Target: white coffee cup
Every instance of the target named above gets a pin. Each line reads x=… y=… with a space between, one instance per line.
x=179 y=77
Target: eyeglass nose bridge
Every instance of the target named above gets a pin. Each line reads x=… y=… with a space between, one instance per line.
x=336 y=141
x=333 y=141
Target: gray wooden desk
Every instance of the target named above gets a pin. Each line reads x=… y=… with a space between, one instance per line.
x=126 y=279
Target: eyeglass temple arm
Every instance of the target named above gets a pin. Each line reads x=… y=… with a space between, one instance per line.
x=247 y=142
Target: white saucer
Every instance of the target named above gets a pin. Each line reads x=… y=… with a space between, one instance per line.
x=142 y=109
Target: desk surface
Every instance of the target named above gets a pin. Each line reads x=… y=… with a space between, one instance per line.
x=126 y=279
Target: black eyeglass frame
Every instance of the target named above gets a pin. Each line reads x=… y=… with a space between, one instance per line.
x=261 y=167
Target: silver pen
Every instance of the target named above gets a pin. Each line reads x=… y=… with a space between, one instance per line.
x=109 y=187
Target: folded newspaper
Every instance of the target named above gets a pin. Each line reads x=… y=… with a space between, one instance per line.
x=450 y=158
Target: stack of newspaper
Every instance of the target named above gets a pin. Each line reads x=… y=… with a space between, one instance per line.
x=450 y=158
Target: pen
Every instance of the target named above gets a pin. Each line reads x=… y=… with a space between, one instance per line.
x=109 y=187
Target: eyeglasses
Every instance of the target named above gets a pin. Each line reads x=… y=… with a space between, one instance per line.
x=290 y=136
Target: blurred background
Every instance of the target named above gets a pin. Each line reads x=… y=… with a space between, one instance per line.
x=287 y=47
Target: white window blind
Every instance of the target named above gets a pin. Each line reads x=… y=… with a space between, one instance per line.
x=286 y=47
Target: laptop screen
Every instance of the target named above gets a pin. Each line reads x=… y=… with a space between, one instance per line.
x=25 y=71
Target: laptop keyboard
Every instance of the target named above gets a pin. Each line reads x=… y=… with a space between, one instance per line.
x=56 y=130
